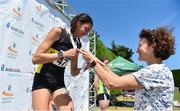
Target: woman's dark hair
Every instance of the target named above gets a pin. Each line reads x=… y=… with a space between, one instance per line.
x=162 y=41
x=83 y=18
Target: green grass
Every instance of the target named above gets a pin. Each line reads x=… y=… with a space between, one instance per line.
x=176 y=95
x=176 y=98
x=121 y=98
x=114 y=108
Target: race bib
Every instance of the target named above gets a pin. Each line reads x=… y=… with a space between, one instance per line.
x=63 y=62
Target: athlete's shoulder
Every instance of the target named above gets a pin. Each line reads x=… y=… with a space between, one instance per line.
x=57 y=29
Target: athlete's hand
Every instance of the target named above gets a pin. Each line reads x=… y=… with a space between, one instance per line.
x=70 y=53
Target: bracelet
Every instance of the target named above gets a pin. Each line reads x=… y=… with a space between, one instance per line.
x=93 y=64
x=60 y=54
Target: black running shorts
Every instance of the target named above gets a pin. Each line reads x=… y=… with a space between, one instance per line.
x=49 y=79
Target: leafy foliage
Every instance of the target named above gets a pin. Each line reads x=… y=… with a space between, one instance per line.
x=116 y=50
x=102 y=51
x=120 y=50
x=116 y=92
x=176 y=76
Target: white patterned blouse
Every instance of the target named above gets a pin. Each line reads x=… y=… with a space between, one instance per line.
x=158 y=91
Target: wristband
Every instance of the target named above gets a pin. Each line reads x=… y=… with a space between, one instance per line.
x=92 y=64
x=60 y=54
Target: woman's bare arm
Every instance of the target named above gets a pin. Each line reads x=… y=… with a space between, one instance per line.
x=41 y=56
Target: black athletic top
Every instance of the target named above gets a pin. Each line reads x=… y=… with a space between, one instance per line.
x=51 y=75
x=64 y=44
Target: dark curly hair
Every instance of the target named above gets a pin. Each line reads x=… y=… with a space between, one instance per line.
x=83 y=18
x=162 y=41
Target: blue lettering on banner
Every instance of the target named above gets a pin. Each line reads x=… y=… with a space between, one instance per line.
x=17 y=30
x=40 y=26
x=4 y=68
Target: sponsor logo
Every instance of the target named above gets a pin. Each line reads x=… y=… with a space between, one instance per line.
x=9 y=69
x=7 y=99
x=33 y=71
x=37 y=23
x=31 y=52
x=12 y=49
x=35 y=40
x=28 y=90
x=8 y=25
x=17 y=12
x=24 y=1
x=19 y=31
x=4 y=1
x=2 y=67
x=39 y=8
x=8 y=92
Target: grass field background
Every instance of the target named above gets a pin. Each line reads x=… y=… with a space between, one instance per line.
x=124 y=108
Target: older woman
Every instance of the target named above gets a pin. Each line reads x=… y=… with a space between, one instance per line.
x=154 y=84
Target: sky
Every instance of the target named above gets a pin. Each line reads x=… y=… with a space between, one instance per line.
x=122 y=21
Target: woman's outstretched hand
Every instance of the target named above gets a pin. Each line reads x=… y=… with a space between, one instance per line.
x=88 y=56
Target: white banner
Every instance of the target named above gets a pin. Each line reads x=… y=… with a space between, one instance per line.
x=15 y=92
x=23 y=25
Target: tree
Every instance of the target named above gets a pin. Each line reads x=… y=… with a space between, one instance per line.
x=126 y=53
x=120 y=50
x=101 y=50
x=176 y=75
x=116 y=50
